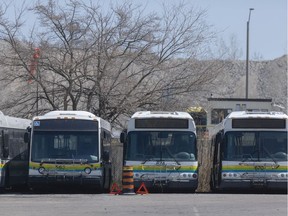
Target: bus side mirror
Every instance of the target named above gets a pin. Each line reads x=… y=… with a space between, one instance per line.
x=220 y=137
x=5 y=147
x=5 y=153
x=104 y=135
x=105 y=156
x=26 y=137
x=123 y=137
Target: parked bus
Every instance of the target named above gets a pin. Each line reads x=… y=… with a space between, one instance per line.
x=13 y=152
x=161 y=148
x=69 y=147
x=250 y=151
x=220 y=108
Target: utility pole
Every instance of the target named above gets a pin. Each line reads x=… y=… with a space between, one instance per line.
x=36 y=56
x=247 y=53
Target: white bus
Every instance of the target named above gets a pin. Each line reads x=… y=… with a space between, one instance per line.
x=70 y=147
x=220 y=108
x=250 y=151
x=161 y=148
x=13 y=152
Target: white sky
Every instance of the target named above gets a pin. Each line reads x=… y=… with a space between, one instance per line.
x=267 y=28
x=268 y=22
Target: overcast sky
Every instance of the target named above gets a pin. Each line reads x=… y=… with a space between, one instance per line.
x=268 y=22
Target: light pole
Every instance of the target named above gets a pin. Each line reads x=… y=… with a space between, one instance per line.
x=36 y=57
x=247 y=52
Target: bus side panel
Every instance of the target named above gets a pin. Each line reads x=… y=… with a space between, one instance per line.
x=17 y=166
x=2 y=163
x=18 y=170
x=14 y=158
x=105 y=150
x=2 y=175
x=217 y=165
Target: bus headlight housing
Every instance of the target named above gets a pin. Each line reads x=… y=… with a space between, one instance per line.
x=230 y=175
x=188 y=175
x=41 y=170
x=87 y=170
x=283 y=175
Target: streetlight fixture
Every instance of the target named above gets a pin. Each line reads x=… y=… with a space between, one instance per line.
x=247 y=52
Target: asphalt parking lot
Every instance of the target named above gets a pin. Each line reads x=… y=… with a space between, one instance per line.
x=150 y=204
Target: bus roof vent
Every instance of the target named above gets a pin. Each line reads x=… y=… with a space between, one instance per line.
x=264 y=112
x=72 y=114
x=164 y=112
x=257 y=112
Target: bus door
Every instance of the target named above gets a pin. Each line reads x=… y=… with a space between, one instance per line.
x=18 y=159
x=216 y=173
x=1 y=158
x=4 y=154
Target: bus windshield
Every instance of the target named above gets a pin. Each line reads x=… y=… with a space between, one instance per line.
x=49 y=146
x=255 y=146
x=161 y=145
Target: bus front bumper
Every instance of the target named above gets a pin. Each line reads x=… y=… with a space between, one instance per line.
x=95 y=181
x=254 y=184
x=162 y=184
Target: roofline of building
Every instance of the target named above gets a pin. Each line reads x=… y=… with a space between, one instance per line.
x=241 y=99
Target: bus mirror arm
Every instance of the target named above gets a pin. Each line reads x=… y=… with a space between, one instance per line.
x=5 y=153
x=123 y=137
x=5 y=146
x=27 y=135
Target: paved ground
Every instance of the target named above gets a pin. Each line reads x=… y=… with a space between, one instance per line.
x=142 y=205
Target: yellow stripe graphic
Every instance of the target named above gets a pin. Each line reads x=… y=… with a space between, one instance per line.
x=34 y=165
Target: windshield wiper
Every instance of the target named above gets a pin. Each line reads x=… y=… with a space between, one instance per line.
x=268 y=153
x=146 y=160
x=168 y=151
x=274 y=166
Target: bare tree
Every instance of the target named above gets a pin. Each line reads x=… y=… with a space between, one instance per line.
x=107 y=62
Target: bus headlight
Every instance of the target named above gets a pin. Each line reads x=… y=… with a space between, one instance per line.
x=41 y=170
x=87 y=170
x=283 y=175
x=188 y=176
x=230 y=175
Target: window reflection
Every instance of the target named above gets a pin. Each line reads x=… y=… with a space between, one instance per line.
x=65 y=145
x=155 y=145
x=256 y=146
